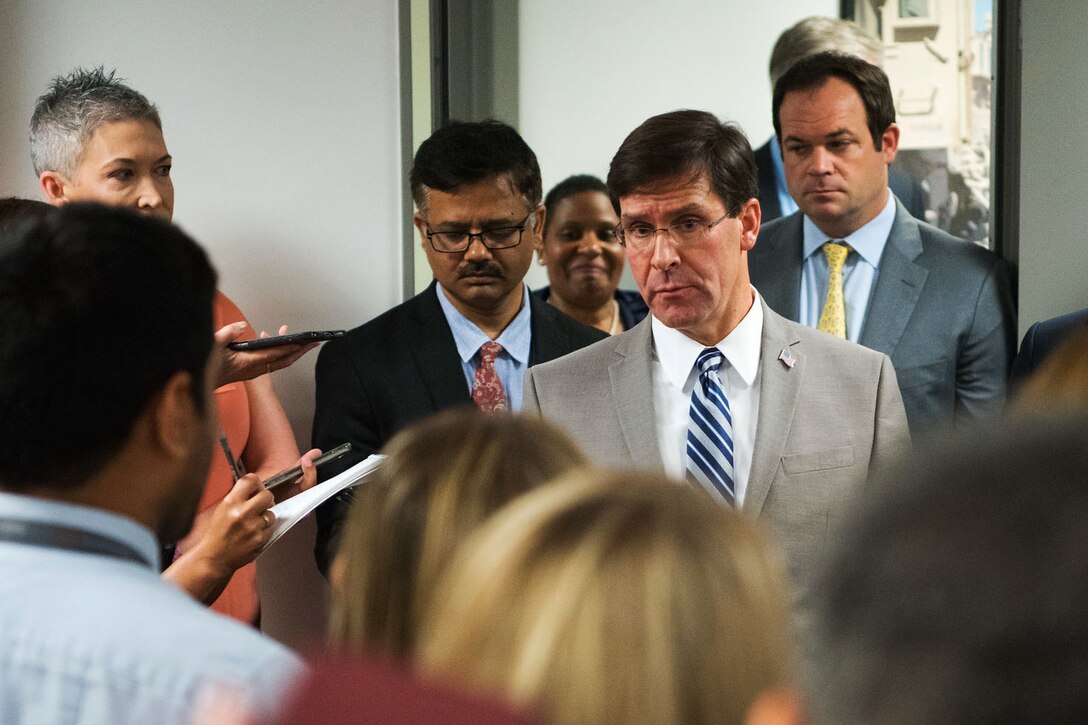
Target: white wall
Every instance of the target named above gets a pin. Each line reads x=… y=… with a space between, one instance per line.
x=1054 y=161
x=284 y=122
x=593 y=71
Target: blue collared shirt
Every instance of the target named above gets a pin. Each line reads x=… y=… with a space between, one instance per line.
x=91 y=638
x=516 y=340
x=785 y=201
x=858 y=275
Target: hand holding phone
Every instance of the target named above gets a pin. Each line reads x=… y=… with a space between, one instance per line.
x=292 y=473
x=295 y=338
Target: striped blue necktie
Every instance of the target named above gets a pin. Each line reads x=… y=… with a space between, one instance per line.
x=710 y=430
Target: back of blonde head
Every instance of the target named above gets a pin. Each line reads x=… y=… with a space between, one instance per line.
x=613 y=598
x=441 y=479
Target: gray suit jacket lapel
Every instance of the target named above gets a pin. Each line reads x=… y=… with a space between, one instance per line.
x=632 y=391
x=779 y=387
x=780 y=284
x=898 y=286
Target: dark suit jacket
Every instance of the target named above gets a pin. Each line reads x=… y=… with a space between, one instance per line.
x=397 y=369
x=633 y=309
x=941 y=309
x=905 y=188
x=1041 y=339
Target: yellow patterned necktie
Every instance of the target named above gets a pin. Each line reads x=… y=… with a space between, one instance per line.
x=833 y=316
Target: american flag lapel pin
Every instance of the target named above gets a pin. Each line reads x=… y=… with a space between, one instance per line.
x=787 y=357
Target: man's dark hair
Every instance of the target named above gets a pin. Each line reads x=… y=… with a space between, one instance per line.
x=99 y=307
x=868 y=80
x=960 y=593
x=468 y=152
x=686 y=144
x=14 y=210
x=569 y=187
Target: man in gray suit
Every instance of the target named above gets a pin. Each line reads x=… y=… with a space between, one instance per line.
x=781 y=421
x=853 y=262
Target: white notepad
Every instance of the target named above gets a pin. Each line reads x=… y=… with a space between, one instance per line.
x=294 y=509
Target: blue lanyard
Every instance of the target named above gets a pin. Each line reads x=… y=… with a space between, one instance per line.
x=55 y=536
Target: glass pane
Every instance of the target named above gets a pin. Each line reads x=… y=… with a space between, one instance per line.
x=914 y=8
x=941 y=76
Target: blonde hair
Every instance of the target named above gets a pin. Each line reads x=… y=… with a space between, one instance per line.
x=442 y=477
x=613 y=598
x=1061 y=382
x=818 y=34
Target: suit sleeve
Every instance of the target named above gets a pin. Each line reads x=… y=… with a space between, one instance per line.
x=982 y=364
x=891 y=436
x=342 y=414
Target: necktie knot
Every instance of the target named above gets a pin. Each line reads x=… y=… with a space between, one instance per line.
x=836 y=254
x=709 y=360
x=489 y=351
x=487 y=389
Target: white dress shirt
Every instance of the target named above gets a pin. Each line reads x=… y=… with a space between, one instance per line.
x=92 y=638
x=674 y=376
x=858 y=273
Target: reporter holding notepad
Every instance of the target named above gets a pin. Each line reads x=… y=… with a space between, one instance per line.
x=95 y=139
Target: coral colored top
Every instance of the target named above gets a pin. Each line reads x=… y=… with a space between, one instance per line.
x=239 y=600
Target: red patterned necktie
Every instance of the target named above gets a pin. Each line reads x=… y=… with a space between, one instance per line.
x=487 y=390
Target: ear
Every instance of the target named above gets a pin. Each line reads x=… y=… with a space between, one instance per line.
x=889 y=143
x=749 y=217
x=539 y=215
x=173 y=416
x=421 y=226
x=775 y=707
x=538 y=245
x=55 y=187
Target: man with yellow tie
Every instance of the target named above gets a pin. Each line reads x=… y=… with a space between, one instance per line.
x=854 y=263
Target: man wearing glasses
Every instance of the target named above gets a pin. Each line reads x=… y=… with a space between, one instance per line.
x=766 y=415
x=471 y=335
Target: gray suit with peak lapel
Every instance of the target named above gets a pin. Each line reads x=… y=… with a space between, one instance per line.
x=940 y=309
x=825 y=425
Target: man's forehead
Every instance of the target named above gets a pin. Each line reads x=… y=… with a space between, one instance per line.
x=676 y=191
x=495 y=196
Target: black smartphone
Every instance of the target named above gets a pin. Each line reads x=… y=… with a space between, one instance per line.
x=295 y=338
x=292 y=473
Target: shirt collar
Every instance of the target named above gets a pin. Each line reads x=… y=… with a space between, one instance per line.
x=868 y=241
x=516 y=339
x=677 y=352
x=85 y=518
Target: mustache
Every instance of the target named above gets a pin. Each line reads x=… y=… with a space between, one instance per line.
x=479 y=269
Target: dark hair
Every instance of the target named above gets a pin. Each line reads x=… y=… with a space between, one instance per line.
x=868 y=80
x=468 y=152
x=14 y=210
x=98 y=308
x=686 y=143
x=960 y=593
x=569 y=187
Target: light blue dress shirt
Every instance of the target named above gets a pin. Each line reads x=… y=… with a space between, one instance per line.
x=785 y=201
x=858 y=275
x=90 y=638
x=516 y=340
